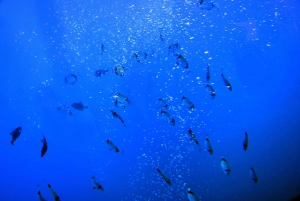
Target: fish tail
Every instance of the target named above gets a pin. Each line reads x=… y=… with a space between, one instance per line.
x=12 y=142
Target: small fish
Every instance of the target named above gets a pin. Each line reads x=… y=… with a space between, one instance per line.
x=225 y=166
x=191 y=196
x=168 y=117
x=181 y=61
x=71 y=79
x=15 y=134
x=187 y=103
x=161 y=37
x=226 y=82
x=102 y=49
x=211 y=90
x=45 y=146
x=207 y=74
x=139 y=56
x=100 y=72
x=162 y=103
x=164 y=177
x=121 y=100
x=40 y=195
x=245 y=143
x=173 y=47
x=120 y=70
x=193 y=136
x=253 y=175
x=79 y=106
x=116 y=115
x=208 y=146
x=96 y=184
x=64 y=110
x=56 y=197
x=113 y=146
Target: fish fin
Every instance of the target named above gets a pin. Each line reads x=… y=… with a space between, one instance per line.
x=12 y=142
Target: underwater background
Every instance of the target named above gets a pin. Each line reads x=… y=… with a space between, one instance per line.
x=51 y=50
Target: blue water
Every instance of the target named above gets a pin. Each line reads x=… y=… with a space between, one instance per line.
x=256 y=43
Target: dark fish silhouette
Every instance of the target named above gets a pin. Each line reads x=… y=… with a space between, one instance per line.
x=181 y=61
x=164 y=177
x=226 y=82
x=40 y=195
x=71 y=79
x=193 y=136
x=207 y=73
x=15 y=134
x=162 y=103
x=139 y=56
x=174 y=47
x=113 y=146
x=102 y=49
x=79 y=106
x=167 y=117
x=208 y=146
x=211 y=91
x=245 y=143
x=121 y=100
x=96 y=184
x=120 y=70
x=116 y=115
x=187 y=103
x=253 y=175
x=100 y=72
x=56 y=197
x=225 y=166
x=191 y=195
x=45 y=146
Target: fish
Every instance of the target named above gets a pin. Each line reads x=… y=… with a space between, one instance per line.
x=116 y=115
x=121 y=100
x=226 y=82
x=168 y=117
x=15 y=134
x=245 y=143
x=207 y=73
x=208 y=146
x=181 y=61
x=253 y=175
x=162 y=103
x=79 y=106
x=113 y=147
x=191 y=195
x=71 y=79
x=40 y=195
x=64 y=110
x=100 y=72
x=193 y=136
x=102 y=49
x=187 y=103
x=120 y=70
x=161 y=37
x=173 y=47
x=164 y=177
x=45 y=146
x=96 y=184
x=211 y=91
x=56 y=197
x=139 y=56
x=225 y=166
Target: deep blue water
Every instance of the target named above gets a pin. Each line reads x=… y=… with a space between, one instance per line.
x=256 y=43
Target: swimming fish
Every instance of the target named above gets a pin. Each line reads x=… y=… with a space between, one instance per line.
x=167 y=117
x=113 y=146
x=15 y=134
x=56 y=197
x=181 y=61
x=187 y=103
x=208 y=146
x=79 y=106
x=226 y=82
x=121 y=100
x=245 y=143
x=40 y=195
x=162 y=103
x=71 y=79
x=191 y=195
x=139 y=56
x=100 y=72
x=225 y=166
x=207 y=74
x=64 y=110
x=120 y=70
x=102 y=49
x=164 y=177
x=193 y=136
x=45 y=146
x=96 y=184
x=116 y=115
x=211 y=90
x=253 y=175
x=173 y=47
